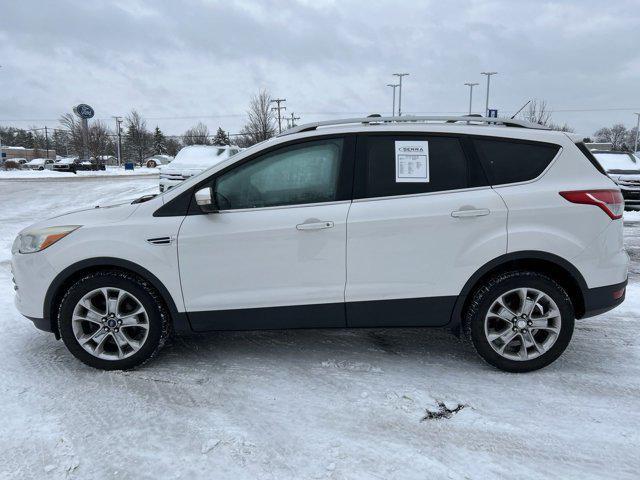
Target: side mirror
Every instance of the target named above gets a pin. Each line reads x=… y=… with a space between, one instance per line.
x=205 y=200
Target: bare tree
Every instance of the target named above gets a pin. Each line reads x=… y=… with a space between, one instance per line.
x=99 y=141
x=196 y=135
x=261 y=124
x=71 y=124
x=538 y=112
x=561 y=128
x=617 y=135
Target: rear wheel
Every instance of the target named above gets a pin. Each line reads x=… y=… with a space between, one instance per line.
x=151 y=164
x=112 y=320
x=520 y=321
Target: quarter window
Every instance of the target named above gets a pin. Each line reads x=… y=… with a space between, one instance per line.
x=298 y=174
x=506 y=161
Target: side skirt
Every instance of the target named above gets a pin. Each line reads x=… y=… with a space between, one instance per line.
x=408 y=312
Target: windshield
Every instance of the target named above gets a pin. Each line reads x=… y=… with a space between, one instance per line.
x=618 y=162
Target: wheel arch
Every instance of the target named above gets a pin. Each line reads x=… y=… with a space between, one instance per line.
x=70 y=274
x=561 y=270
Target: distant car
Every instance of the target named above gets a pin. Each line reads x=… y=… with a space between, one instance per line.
x=21 y=161
x=157 y=160
x=624 y=169
x=38 y=163
x=74 y=164
x=191 y=161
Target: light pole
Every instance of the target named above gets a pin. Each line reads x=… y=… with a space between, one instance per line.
x=400 y=75
x=1 y=157
x=119 y=142
x=393 y=85
x=470 y=85
x=488 y=74
x=637 y=114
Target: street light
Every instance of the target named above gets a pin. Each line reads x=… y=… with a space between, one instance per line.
x=488 y=74
x=393 y=85
x=400 y=75
x=637 y=131
x=470 y=85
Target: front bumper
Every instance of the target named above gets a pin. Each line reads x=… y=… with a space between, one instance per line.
x=32 y=275
x=167 y=184
x=602 y=299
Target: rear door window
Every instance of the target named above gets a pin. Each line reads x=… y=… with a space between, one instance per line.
x=382 y=172
x=509 y=161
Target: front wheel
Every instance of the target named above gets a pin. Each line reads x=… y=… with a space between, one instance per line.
x=520 y=321
x=112 y=320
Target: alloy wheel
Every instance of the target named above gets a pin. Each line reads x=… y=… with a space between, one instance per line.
x=522 y=324
x=110 y=323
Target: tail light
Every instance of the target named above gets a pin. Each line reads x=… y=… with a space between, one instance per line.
x=610 y=201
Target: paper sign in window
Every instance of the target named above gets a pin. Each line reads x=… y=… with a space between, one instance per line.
x=412 y=161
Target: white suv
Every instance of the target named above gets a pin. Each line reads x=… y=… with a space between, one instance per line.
x=191 y=161
x=495 y=228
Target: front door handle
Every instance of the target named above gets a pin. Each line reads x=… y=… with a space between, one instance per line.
x=314 y=225
x=481 y=212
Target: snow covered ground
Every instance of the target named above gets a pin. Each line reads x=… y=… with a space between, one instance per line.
x=337 y=404
x=49 y=174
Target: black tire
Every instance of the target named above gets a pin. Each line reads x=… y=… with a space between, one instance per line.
x=485 y=295
x=158 y=317
x=151 y=164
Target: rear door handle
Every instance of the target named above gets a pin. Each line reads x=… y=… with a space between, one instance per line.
x=314 y=225
x=471 y=213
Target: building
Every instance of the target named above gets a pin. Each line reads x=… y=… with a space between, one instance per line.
x=10 y=153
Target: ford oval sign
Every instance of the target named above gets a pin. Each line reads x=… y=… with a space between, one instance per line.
x=83 y=111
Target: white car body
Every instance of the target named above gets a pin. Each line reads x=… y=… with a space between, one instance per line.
x=624 y=169
x=192 y=160
x=39 y=163
x=383 y=261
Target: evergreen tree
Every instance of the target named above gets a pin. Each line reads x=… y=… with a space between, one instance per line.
x=159 y=142
x=138 y=140
x=221 y=138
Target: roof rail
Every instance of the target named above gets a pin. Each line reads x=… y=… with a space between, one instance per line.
x=507 y=122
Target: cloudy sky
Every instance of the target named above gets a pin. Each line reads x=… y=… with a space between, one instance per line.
x=201 y=60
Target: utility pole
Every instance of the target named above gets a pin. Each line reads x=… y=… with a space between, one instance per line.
x=119 y=144
x=488 y=74
x=637 y=114
x=394 y=86
x=293 y=119
x=470 y=85
x=278 y=101
x=46 y=140
x=400 y=75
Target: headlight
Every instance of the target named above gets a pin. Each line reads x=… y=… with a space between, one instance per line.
x=38 y=239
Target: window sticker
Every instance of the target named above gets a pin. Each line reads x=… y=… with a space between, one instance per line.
x=412 y=162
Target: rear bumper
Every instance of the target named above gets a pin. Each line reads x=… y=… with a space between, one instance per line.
x=602 y=299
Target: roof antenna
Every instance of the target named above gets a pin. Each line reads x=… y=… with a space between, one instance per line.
x=514 y=115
